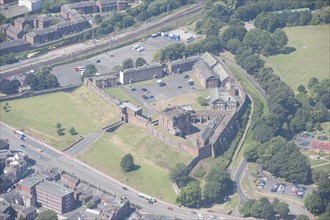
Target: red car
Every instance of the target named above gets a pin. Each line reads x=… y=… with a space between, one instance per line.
x=170 y=208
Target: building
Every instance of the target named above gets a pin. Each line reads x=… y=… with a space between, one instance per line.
x=41 y=35
x=28 y=213
x=69 y=27
x=55 y=197
x=182 y=65
x=14 y=46
x=32 y=5
x=43 y=22
x=104 y=81
x=14 y=32
x=21 y=22
x=141 y=73
x=205 y=75
x=222 y=100
x=3 y=28
x=87 y=7
x=176 y=120
x=106 y=5
x=69 y=181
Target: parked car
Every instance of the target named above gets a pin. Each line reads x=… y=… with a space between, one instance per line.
x=186 y=77
x=97 y=61
x=275 y=187
x=124 y=188
x=144 y=97
x=179 y=87
x=144 y=89
x=151 y=97
x=23 y=146
x=170 y=208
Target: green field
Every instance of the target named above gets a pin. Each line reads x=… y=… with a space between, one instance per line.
x=310 y=58
x=39 y=115
x=151 y=155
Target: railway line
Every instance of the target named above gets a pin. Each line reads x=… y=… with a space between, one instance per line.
x=102 y=44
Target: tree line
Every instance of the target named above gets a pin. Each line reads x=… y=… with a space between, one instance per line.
x=43 y=79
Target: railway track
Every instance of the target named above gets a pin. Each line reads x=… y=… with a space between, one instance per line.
x=119 y=39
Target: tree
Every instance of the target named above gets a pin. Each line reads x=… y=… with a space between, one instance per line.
x=191 y=195
x=128 y=64
x=73 y=131
x=90 y=71
x=202 y=101
x=140 y=62
x=282 y=208
x=301 y=89
x=245 y=209
x=280 y=39
x=262 y=209
x=218 y=184
x=127 y=163
x=32 y=81
x=302 y=217
x=47 y=215
x=97 y=19
x=27 y=28
x=179 y=174
x=51 y=81
x=9 y=87
x=314 y=204
x=58 y=125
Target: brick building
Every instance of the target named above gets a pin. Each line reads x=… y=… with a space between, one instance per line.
x=87 y=7
x=69 y=181
x=141 y=73
x=222 y=100
x=205 y=75
x=13 y=32
x=42 y=35
x=182 y=65
x=55 y=197
x=14 y=46
x=176 y=120
x=21 y=22
x=43 y=22
x=106 y=5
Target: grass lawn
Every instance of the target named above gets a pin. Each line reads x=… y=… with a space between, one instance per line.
x=148 y=153
x=186 y=99
x=310 y=58
x=317 y=161
x=324 y=168
x=39 y=115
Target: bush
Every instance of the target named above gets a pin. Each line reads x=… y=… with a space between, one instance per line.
x=199 y=172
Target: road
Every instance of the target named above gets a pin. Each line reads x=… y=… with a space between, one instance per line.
x=54 y=158
x=117 y=39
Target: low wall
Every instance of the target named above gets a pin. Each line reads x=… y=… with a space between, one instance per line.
x=29 y=94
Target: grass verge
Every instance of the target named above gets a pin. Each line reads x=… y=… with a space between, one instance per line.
x=39 y=115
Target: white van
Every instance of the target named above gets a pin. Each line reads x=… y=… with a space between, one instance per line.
x=140 y=49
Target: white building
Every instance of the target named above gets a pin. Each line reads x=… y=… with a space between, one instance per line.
x=32 y=5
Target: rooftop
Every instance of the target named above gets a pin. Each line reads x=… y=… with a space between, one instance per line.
x=186 y=60
x=156 y=65
x=209 y=59
x=54 y=188
x=10 y=44
x=13 y=29
x=220 y=71
x=32 y=181
x=70 y=178
x=205 y=70
x=208 y=130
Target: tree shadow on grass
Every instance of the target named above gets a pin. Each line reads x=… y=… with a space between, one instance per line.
x=135 y=167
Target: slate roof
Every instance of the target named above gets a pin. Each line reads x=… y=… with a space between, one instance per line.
x=14 y=29
x=10 y=44
x=205 y=70
x=208 y=129
x=186 y=60
x=220 y=71
x=209 y=59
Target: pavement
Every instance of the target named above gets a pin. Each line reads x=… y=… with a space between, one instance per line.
x=54 y=158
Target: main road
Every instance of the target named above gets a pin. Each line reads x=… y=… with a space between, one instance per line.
x=50 y=157
x=73 y=52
